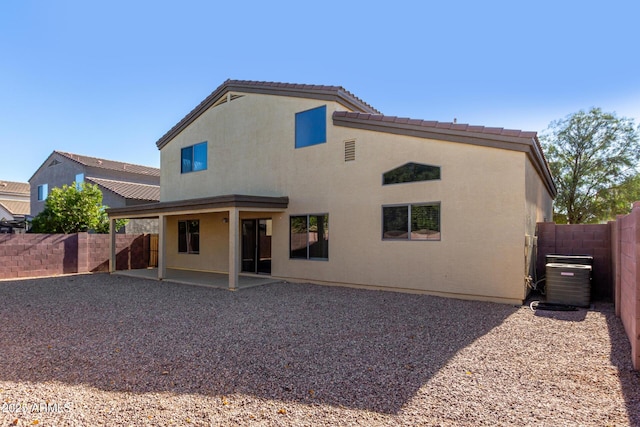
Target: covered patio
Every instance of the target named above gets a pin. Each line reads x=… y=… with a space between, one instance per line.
x=231 y=209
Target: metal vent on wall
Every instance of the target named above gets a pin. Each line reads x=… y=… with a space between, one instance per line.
x=349 y=151
x=230 y=97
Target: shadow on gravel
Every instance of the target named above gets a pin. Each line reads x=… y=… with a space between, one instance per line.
x=567 y=316
x=621 y=358
x=311 y=344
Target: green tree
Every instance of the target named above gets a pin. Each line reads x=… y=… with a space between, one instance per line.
x=593 y=157
x=618 y=200
x=72 y=210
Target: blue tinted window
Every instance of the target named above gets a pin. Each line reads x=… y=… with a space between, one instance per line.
x=79 y=181
x=187 y=159
x=194 y=158
x=200 y=156
x=43 y=191
x=311 y=127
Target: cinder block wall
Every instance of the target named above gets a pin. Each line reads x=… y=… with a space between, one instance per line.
x=33 y=255
x=132 y=252
x=627 y=281
x=580 y=239
x=615 y=248
x=37 y=255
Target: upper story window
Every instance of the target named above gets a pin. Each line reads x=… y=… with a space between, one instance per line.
x=411 y=172
x=194 y=158
x=311 y=127
x=79 y=181
x=43 y=192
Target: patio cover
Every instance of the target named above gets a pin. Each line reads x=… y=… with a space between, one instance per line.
x=233 y=204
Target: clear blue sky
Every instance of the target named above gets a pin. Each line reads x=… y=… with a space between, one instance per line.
x=108 y=78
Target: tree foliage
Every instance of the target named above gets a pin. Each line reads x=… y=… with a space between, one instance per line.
x=70 y=209
x=593 y=157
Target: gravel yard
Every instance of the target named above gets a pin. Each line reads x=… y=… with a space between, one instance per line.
x=114 y=350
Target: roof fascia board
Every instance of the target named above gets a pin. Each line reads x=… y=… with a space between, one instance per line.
x=296 y=92
x=219 y=203
x=475 y=138
x=540 y=164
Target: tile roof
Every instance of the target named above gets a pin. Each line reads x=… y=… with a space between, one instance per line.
x=434 y=125
x=14 y=187
x=299 y=90
x=16 y=207
x=110 y=164
x=329 y=93
x=128 y=190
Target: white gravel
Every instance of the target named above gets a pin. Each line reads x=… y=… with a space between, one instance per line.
x=113 y=350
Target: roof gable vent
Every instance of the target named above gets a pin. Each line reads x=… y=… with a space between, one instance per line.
x=350 y=150
x=230 y=97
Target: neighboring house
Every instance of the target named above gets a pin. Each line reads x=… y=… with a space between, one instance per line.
x=122 y=184
x=310 y=183
x=14 y=206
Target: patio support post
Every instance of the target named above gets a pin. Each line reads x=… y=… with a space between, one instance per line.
x=162 y=266
x=234 y=248
x=112 y=245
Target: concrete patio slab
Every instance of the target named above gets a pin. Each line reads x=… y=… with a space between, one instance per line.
x=200 y=278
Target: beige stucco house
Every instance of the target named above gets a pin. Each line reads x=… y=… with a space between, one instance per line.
x=310 y=183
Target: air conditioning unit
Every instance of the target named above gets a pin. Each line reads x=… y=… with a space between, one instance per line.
x=570 y=259
x=568 y=284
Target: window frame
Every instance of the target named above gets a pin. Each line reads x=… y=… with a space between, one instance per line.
x=410 y=207
x=412 y=181
x=308 y=133
x=308 y=256
x=194 y=150
x=189 y=237
x=43 y=192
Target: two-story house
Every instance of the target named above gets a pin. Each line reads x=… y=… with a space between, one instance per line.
x=122 y=184
x=310 y=183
